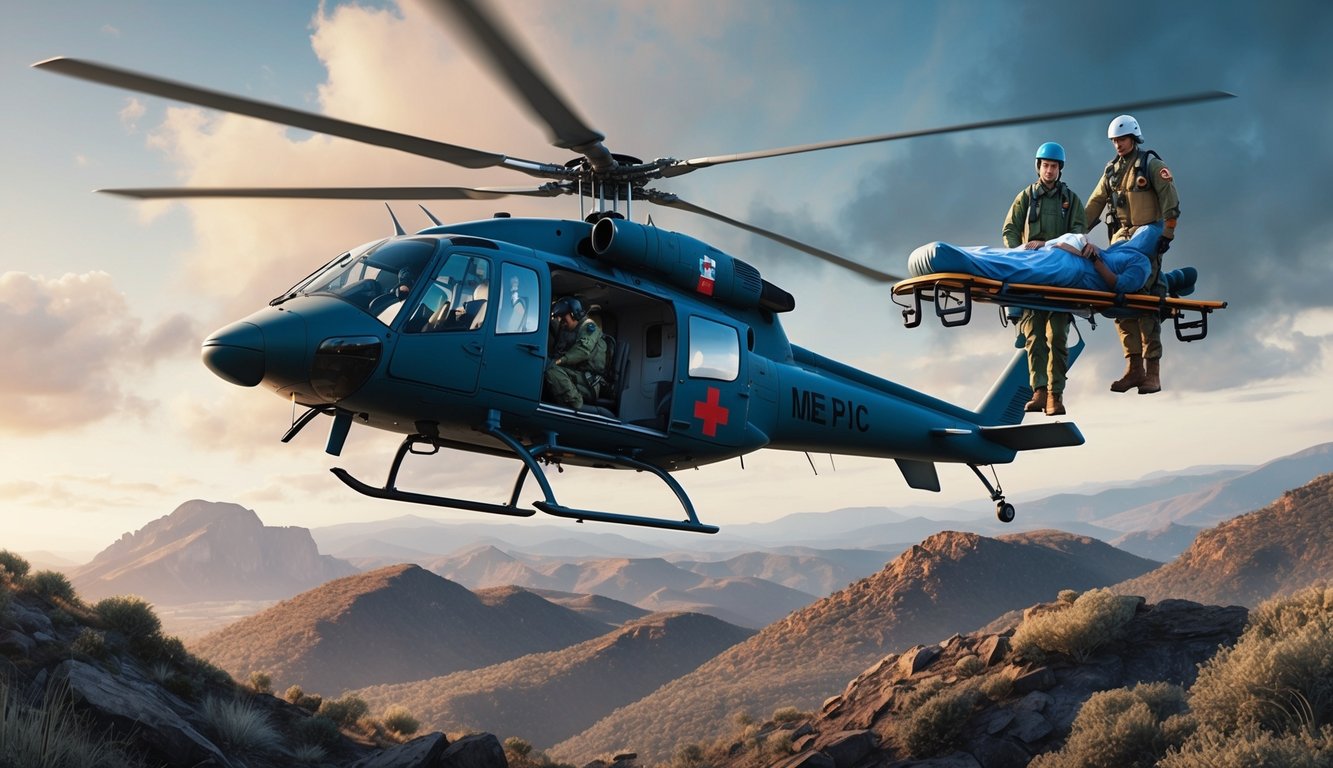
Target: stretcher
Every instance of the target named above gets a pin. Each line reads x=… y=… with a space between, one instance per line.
x=954 y=293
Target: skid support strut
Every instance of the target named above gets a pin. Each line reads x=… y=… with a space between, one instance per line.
x=532 y=459
x=1003 y=509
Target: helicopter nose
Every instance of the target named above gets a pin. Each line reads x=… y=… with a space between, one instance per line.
x=236 y=354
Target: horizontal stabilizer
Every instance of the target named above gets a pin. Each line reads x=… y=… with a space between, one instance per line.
x=1029 y=437
x=920 y=475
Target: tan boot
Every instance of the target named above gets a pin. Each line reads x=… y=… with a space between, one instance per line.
x=1133 y=377
x=1152 y=377
x=1038 y=402
x=1055 y=404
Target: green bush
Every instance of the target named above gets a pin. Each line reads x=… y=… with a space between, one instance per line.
x=129 y=615
x=13 y=567
x=53 y=586
x=399 y=720
x=934 y=726
x=1123 y=728
x=90 y=642
x=1095 y=617
x=346 y=711
x=317 y=731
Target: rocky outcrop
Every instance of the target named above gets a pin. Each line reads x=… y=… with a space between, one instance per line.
x=1028 y=706
x=207 y=551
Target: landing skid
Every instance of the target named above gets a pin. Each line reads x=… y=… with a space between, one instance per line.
x=1003 y=509
x=532 y=459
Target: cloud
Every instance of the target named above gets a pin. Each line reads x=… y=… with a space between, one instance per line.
x=73 y=346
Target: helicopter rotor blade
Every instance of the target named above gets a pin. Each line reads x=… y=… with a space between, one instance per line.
x=203 y=97
x=681 y=167
x=674 y=201
x=340 y=193
x=507 y=58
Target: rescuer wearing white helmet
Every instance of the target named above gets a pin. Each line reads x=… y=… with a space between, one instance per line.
x=1137 y=189
x=1042 y=211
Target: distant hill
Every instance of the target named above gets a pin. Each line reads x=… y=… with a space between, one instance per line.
x=951 y=582
x=595 y=607
x=391 y=625
x=814 y=574
x=1161 y=544
x=651 y=583
x=208 y=551
x=1277 y=550
x=550 y=696
x=1233 y=496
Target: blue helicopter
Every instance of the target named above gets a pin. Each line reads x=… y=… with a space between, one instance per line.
x=443 y=335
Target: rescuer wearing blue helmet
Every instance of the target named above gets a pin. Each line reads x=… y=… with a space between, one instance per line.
x=1042 y=211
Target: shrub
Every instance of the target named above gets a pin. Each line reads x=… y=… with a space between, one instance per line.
x=689 y=756
x=934 y=727
x=309 y=754
x=90 y=642
x=13 y=567
x=1067 y=595
x=1095 y=617
x=317 y=731
x=1252 y=748
x=517 y=746
x=969 y=666
x=999 y=686
x=241 y=727
x=346 y=711
x=788 y=715
x=1278 y=676
x=1123 y=728
x=399 y=720
x=129 y=615
x=260 y=682
x=53 y=586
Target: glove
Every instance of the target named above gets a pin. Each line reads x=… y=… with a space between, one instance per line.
x=1163 y=245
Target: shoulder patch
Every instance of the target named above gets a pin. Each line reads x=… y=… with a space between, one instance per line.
x=1165 y=173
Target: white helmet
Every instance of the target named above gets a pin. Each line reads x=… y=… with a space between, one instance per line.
x=1124 y=126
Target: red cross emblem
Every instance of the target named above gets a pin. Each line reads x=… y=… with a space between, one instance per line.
x=711 y=412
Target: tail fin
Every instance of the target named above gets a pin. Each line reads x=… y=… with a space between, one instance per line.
x=1003 y=405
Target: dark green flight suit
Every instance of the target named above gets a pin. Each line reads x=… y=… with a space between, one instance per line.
x=1134 y=204
x=1045 y=334
x=578 y=356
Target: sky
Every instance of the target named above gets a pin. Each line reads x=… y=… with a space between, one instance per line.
x=110 y=420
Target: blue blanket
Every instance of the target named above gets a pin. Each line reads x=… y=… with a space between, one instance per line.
x=1044 y=266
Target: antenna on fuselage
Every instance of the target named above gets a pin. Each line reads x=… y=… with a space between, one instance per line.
x=398 y=228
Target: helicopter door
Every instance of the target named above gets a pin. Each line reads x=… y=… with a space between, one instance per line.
x=441 y=343
x=711 y=402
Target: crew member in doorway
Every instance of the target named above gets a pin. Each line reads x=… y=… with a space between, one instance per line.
x=578 y=356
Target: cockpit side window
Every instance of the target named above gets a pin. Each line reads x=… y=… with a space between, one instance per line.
x=456 y=298
x=715 y=350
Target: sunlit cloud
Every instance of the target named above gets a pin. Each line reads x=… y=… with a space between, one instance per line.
x=131 y=114
x=74 y=344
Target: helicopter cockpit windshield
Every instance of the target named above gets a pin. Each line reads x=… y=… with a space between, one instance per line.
x=377 y=278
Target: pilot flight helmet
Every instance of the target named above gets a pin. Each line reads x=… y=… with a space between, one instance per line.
x=569 y=305
x=1051 y=151
x=1125 y=125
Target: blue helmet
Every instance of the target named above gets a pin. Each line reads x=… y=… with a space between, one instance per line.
x=1051 y=151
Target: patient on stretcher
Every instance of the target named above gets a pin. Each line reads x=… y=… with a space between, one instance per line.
x=1058 y=263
